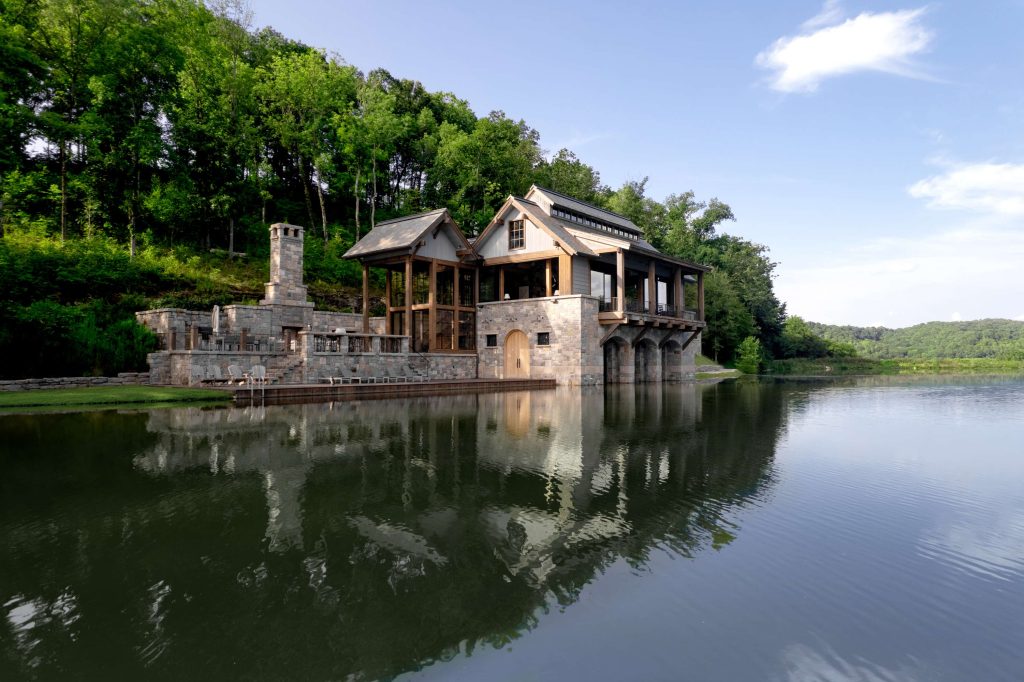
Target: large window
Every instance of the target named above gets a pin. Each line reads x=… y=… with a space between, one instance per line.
x=398 y=324
x=466 y=297
x=601 y=285
x=516 y=236
x=488 y=284
x=445 y=285
x=397 y=288
x=445 y=322
x=420 y=331
x=420 y=282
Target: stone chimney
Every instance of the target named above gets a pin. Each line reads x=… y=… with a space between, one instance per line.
x=285 y=286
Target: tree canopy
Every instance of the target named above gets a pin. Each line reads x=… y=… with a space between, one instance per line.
x=175 y=123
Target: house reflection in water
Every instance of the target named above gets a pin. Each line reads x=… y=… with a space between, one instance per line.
x=384 y=535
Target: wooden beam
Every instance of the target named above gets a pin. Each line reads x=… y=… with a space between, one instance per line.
x=700 y=296
x=455 y=293
x=689 y=340
x=677 y=288
x=652 y=289
x=564 y=274
x=501 y=284
x=432 y=311
x=523 y=257
x=366 y=298
x=547 y=278
x=387 y=301
x=611 y=332
x=408 y=299
x=620 y=280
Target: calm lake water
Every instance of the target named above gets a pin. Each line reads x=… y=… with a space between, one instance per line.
x=859 y=530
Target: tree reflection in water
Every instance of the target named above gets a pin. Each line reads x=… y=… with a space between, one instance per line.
x=364 y=538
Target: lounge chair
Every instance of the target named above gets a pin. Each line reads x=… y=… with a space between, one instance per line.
x=237 y=376
x=259 y=375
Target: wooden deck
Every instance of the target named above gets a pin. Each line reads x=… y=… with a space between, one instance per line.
x=316 y=393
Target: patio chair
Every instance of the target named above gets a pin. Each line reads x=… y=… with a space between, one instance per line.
x=237 y=376
x=259 y=375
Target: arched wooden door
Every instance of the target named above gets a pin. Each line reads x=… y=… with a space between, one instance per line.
x=517 y=355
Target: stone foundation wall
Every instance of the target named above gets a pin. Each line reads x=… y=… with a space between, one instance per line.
x=163 y=320
x=573 y=355
x=122 y=379
x=434 y=367
x=184 y=368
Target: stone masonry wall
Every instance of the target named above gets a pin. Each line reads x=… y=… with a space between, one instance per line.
x=122 y=379
x=572 y=356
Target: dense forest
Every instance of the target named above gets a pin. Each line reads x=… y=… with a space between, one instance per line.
x=146 y=145
x=1001 y=339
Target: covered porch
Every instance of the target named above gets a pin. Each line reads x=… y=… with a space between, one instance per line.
x=641 y=289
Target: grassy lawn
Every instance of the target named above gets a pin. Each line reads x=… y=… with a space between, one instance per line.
x=108 y=395
x=702 y=361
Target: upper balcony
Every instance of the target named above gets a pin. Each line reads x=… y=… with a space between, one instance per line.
x=637 y=312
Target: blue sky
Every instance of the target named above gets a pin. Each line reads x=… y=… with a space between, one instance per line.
x=876 y=147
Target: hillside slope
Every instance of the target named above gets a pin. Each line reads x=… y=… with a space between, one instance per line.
x=992 y=338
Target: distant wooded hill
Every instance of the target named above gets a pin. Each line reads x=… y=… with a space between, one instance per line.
x=994 y=338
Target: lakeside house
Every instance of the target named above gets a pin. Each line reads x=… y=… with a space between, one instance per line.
x=552 y=288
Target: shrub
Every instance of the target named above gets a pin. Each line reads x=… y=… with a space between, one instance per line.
x=749 y=356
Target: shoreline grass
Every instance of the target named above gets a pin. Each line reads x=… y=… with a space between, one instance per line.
x=109 y=396
x=904 y=366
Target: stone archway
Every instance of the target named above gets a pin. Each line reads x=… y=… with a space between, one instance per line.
x=615 y=360
x=646 y=362
x=671 y=361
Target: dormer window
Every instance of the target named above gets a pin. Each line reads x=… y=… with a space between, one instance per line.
x=516 y=235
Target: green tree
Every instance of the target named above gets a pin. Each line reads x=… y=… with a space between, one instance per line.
x=565 y=173
x=750 y=356
x=799 y=341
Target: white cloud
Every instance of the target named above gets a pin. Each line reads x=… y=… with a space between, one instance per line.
x=996 y=188
x=896 y=282
x=831 y=13
x=956 y=317
x=883 y=41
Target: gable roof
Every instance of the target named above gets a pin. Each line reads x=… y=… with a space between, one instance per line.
x=403 y=234
x=538 y=217
x=567 y=202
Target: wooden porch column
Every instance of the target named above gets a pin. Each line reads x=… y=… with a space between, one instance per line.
x=564 y=274
x=387 y=301
x=677 y=288
x=432 y=312
x=366 y=298
x=620 y=281
x=652 y=290
x=501 y=282
x=700 y=296
x=408 y=297
x=547 y=278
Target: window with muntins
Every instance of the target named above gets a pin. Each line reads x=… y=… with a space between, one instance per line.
x=516 y=237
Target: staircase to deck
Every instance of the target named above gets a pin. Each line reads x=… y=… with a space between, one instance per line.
x=285 y=369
